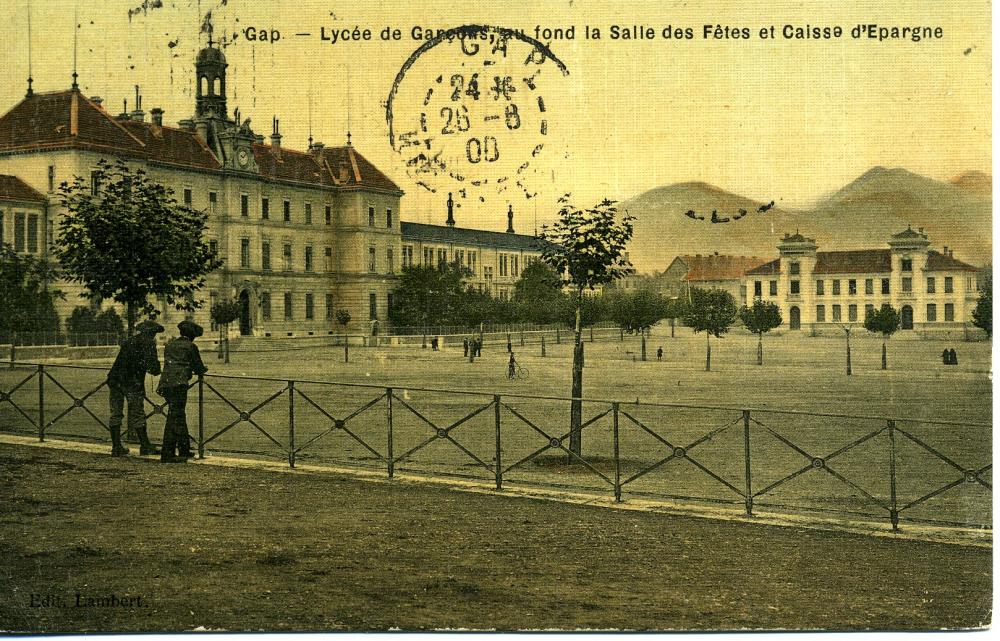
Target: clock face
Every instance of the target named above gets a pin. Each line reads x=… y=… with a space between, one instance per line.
x=243 y=157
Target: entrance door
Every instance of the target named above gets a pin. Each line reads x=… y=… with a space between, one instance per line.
x=906 y=317
x=794 y=318
x=245 y=313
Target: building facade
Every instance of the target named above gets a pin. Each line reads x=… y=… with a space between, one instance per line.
x=303 y=233
x=23 y=217
x=824 y=291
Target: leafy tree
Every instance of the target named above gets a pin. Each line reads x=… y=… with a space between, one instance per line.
x=885 y=321
x=674 y=309
x=343 y=317
x=637 y=311
x=26 y=302
x=110 y=323
x=982 y=315
x=538 y=294
x=223 y=313
x=761 y=318
x=712 y=311
x=131 y=241
x=428 y=295
x=586 y=247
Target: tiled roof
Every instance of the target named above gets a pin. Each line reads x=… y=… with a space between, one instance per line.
x=937 y=262
x=360 y=172
x=718 y=267
x=767 y=269
x=13 y=188
x=290 y=165
x=456 y=235
x=172 y=145
x=856 y=261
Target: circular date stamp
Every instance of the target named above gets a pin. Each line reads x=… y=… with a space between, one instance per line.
x=470 y=110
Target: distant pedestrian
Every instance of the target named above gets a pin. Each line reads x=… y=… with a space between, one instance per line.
x=510 y=348
x=127 y=383
x=181 y=360
x=659 y=353
x=952 y=356
x=434 y=343
x=465 y=347
x=946 y=356
x=511 y=367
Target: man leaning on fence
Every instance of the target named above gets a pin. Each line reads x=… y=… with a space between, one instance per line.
x=127 y=383
x=181 y=359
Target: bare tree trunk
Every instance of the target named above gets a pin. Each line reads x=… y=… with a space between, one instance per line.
x=848 y=354
x=672 y=323
x=760 y=349
x=227 y=344
x=576 y=406
x=708 y=352
x=884 y=360
x=643 y=342
x=130 y=317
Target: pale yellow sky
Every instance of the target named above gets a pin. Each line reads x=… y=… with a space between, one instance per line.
x=784 y=119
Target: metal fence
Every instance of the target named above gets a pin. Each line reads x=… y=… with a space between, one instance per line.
x=738 y=460
x=73 y=339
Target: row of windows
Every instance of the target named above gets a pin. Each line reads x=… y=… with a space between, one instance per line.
x=390 y=260
x=371 y=217
x=289 y=308
x=508 y=265
x=286 y=256
x=906 y=285
x=26 y=232
x=905 y=264
x=852 y=313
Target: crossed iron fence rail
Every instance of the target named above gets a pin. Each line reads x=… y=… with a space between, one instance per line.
x=622 y=415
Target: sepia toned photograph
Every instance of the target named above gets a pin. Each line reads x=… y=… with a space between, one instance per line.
x=495 y=316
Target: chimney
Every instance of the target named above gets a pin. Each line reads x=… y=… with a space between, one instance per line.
x=316 y=146
x=510 y=219
x=201 y=128
x=156 y=114
x=259 y=139
x=137 y=114
x=451 y=211
x=187 y=124
x=275 y=137
x=97 y=100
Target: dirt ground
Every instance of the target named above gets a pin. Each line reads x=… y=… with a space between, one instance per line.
x=239 y=549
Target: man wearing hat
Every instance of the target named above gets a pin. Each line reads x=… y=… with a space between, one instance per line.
x=127 y=382
x=181 y=360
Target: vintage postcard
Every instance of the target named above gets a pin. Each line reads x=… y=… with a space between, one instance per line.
x=562 y=315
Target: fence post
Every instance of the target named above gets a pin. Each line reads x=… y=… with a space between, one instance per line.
x=41 y=403
x=557 y=336
x=748 y=492
x=618 y=462
x=893 y=512
x=388 y=399
x=12 y=347
x=291 y=423
x=498 y=467
x=201 y=416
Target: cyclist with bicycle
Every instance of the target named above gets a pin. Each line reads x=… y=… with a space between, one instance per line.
x=511 y=367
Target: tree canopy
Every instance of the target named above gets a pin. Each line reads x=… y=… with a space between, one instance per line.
x=636 y=310
x=982 y=315
x=26 y=302
x=538 y=294
x=710 y=310
x=761 y=317
x=125 y=237
x=428 y=295
x=884 y=321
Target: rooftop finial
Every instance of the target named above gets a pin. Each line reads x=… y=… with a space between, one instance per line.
x=510 y=218
x=30 y=79
x=451 y=211
x=76 y=28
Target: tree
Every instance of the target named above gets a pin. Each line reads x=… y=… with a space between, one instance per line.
x=712 y=311
x=587 y=249
x=637 y=311
x=538 y=294
x=885 y=321
x=344 y=318
x=428 y=295
x=761 y=318
x=223 y=313
x=982 y=315
x=26 y=302
x=674 y=310
x=127 y=239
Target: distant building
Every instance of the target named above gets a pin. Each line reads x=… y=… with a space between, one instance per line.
x=495 y=259
x=709 y=271
x=23 y=217
x=820 y=290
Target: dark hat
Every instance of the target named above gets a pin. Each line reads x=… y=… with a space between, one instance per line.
x=189 y=329
x=149 y=327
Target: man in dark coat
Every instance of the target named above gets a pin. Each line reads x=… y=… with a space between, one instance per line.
x=181 y=360
x=127 y=383
x=465 y=347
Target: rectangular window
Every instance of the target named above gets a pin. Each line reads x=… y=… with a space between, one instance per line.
x=371 y=260
x=265 y=255
x=286 y=211
x=503 y=265
x=52 y=178
x=328 y=259
x=33 y=233
x=388 y=218
x=949 y=285
x=213 y=247
x=19 y=232
x=820 y=314
x=95 y=183
x=772 y=288
x=288 y=306
x=329 y=307
x=459 y=256
x=371 y=216
x=372 y=306
x=907 y=284
x=931 y=312
x=793 y=269
x=309 y=258
x=869 y=286
x=245 y=205
x=930 y=285
x=793 y=287
x=213 y=202
x=327 y=215
x=852 y=313
x=514 y=271
x=836 y=288
x=757 y=289
x=906 y=264
x=442 y=258
x=265 y=208
x=487 y=272
x=286 y=257
x=309 y=213
x=885 y=285
x=265 y=306
x=836 y=313
x=852 y=287
x=244 y=253
x=949 y=312
x=213 y=299
x=188 y=198
x=472 y=263
x=406 y=259
x=390 y=264
x=428 y=256
x=869 y=310
x=819 y=287
x=309 y=306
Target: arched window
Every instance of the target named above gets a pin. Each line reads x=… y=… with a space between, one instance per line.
x=202 y=85
x=215 y=87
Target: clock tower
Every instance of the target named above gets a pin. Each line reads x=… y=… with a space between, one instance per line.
x=230 y=140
